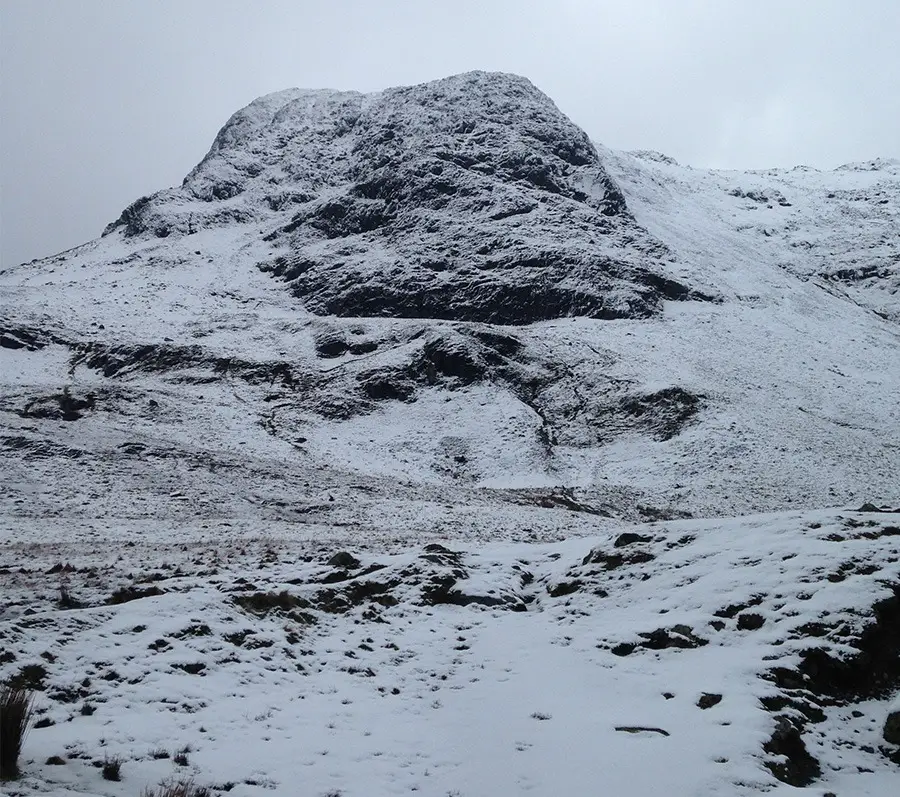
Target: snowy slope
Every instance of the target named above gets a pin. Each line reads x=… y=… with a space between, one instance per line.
x=838 y=229
x=686 y=656
x=440 y=315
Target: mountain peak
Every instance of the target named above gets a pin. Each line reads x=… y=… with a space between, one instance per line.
x=469 y=198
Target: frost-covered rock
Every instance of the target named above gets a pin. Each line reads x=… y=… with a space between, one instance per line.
x=891 y=732
x=471 y=198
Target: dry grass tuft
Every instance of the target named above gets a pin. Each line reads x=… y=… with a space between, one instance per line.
x=15 y=715
x=178 y=788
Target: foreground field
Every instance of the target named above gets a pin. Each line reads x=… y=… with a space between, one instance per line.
x=689 y=657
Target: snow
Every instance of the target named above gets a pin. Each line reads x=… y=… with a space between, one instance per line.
x=487 y=700
x=242 y=462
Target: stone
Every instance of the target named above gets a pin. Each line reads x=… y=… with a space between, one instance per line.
x=451 y=182
x=750 y=621
x=344 y=560
x=891 y=732
x=708 y=700
x=628 y=538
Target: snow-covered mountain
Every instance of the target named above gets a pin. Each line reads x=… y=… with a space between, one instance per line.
x=440 y=314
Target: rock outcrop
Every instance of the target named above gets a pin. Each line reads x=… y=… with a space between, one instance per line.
x=471 y=199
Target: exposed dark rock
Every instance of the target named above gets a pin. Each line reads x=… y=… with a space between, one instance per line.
x=870 y=507
x=786 y=678
x=564 y=499
x=60 y=406
x=112 y=360
x=132 y=593
x=38 y=449
x=873 y=672
x=331 y=345
x=656 y=514
x=452 y=358
x=118 y=361
x=345 y=560
x=237 y=638
x=750 y=621
x=891 y=731
x=821 y=679
x=191 y=668
x=336 y=576
x=791 y=762
x=448 y=590
x=537 y=296
x=708 y=700
x=769 y=196
x=664 y=413
x=679 y=636
x=470 y=198
x=563 y=588
x=735 y=608
x=132 y=220
x=812 y=630
x=612 y=561
x=629 y=538
x=262 y=603
x=437 y=577
x=24 y=338
x=797 y=702
x=193 y=630
x=363 y=347
x=640 y=729
x=31 y=676
x=387 y=385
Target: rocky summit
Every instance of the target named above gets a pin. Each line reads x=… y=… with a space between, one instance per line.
x=414 y=424
x=469 y=199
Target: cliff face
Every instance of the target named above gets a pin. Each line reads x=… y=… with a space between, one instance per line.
x=471 y=199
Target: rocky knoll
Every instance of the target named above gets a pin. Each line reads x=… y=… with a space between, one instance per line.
x=471 y=198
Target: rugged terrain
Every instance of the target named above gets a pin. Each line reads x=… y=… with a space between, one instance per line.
x=440 y=316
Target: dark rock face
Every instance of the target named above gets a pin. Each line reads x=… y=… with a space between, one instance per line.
x=823 y=679
x=471 y=199
x=59 y=406
x=446 y=357
x=664 y=413
x=891 y=732
x=791 y=762
x=345 y=560
x=708 y=700
x=628 y=538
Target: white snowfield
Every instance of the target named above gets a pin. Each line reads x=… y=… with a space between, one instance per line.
x=554 y=676
x=583 y=527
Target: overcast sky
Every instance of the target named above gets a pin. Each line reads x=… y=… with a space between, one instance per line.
x=102 y=101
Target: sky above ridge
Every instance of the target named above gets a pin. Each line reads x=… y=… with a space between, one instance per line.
x=103 y=101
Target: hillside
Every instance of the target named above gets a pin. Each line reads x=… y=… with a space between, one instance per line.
x=439 y=315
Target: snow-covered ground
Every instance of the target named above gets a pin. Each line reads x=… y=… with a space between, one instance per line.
x=572 y=667
x=175 y=419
